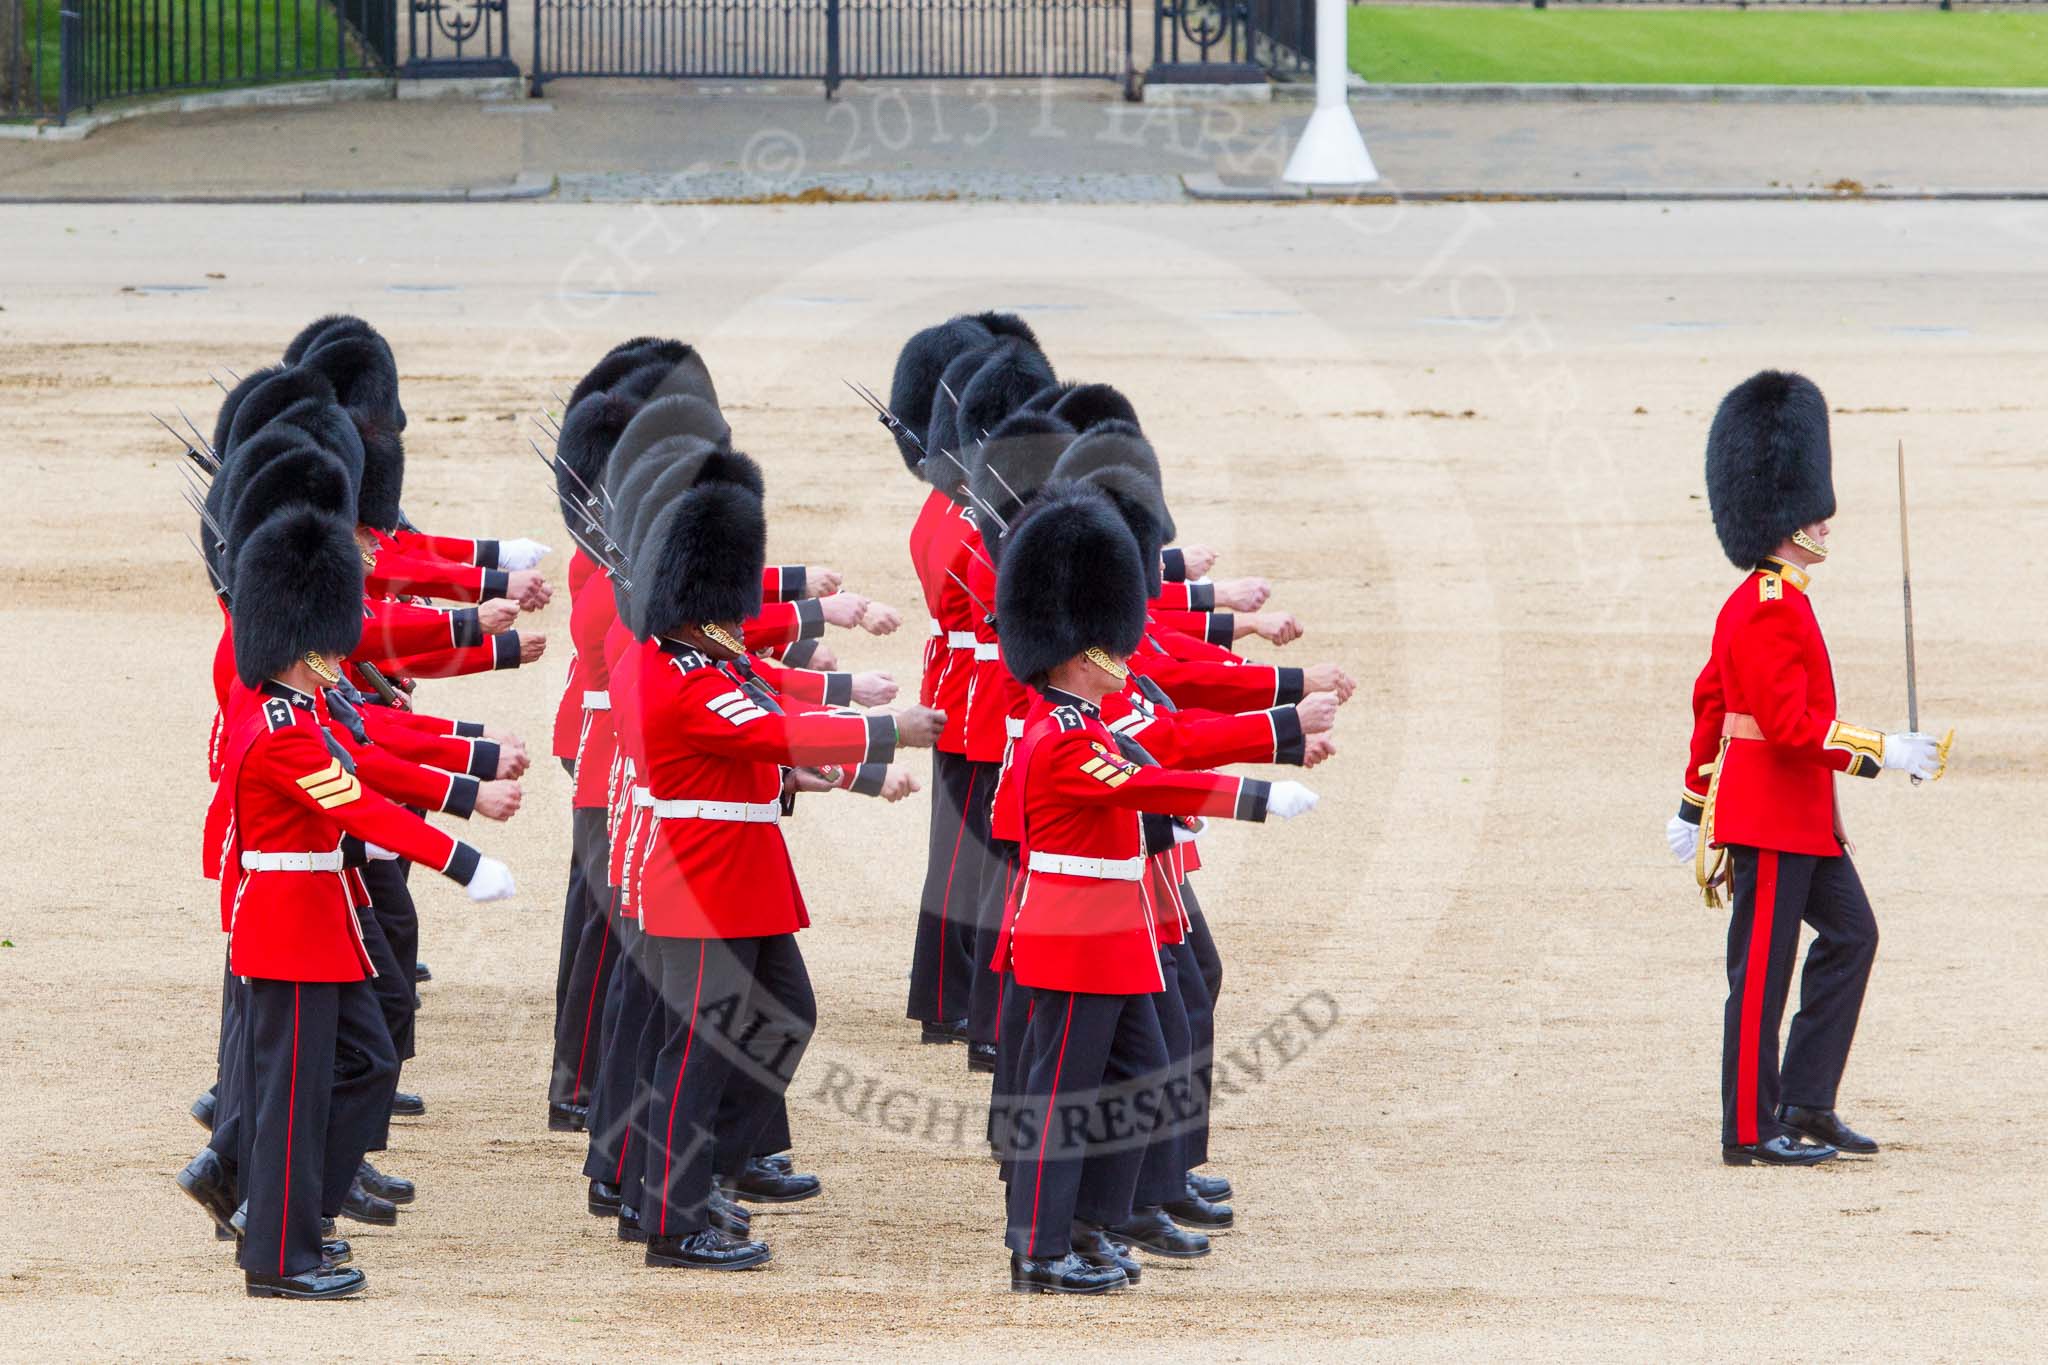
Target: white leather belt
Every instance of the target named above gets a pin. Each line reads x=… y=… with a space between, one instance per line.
x=597 y=701
x=738 y=812
x=329 y=861
x=1013 y=727
x=1102 y=869
x=961 y=639
x=987 y=649
x=937 y=630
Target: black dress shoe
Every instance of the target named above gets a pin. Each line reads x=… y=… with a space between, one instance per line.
x=707 y=1250
x=336 y=1252
x=1197 y=1212
x=1782 y=1150
x=728 y=1218
x=207 y=1181
x=202 y=1110
x=629 y=1224
x=420 y=972
x=760 y=1183
x=981 y=1057
x=567 y=1118
x=314 y=1284
x=1151 y=1230
x=1823 y=1126
x=326 y=1229
x=944 y=1031
x=363 y=1207
x=404 y=1106
x=1211 y=1187
x=395 y=1188
x=782 y=1162
x=1093 y=1244
x=604 y=1200
x=1067 y=1274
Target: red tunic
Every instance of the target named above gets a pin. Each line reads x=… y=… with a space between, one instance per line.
x=930 y=517
x=1769 y=674
x=569 y=710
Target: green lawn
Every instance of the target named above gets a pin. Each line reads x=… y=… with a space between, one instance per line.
x=191 y=44
x=1699 y=47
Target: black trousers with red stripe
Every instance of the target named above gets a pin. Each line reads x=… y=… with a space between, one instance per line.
x=941 y=959
x=398 y=921
x=319 y=1062
x=393 y=990
x=1774 y=893
x=740 y=1013
x=1090 y=1105
x=574 y=910
x=580 y=1014
x=618 y=1092
x=1163 y=1175
x=1201 y=1064
x=985 y=988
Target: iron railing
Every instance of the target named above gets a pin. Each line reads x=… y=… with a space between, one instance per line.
x=457 y=38
x=831 y=40
x=38 y=58
x=1283 y=34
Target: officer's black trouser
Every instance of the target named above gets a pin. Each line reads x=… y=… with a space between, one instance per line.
x=616 y=1092
x=392 y=990
x=1199 y=1067
x=319 y=1065
x=231 y=1076
x=595 y=954
x=391 y=905
x=1163 y=1176
x=1090 y=1104
x=574 y=910
x=1774 y=893
x=941 y=958
x=986 y=985
x=740 y=1012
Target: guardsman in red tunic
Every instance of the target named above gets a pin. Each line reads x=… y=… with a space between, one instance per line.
x=710 y=876
x=1767 y=745
x=1083 y=934
x=316 y=1052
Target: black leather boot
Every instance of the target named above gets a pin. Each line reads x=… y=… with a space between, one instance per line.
x=1067 y=1274
x=1151 y=1230
x=706 y=1250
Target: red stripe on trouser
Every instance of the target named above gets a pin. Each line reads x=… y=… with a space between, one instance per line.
x=284 y=1221
x=668 y=1140
x=946 y=899
x=1051 y=1104
x=576 y=1086
x=1753 y=978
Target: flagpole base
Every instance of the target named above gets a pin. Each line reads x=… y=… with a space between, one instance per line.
x=1331 y=151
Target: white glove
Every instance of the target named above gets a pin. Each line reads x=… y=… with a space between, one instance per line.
x=376 y=853
x=1684 y=838
x=1912 y=753
x=1289 y=799
x=492 y=881
x=514 y=555
x=1187 y=834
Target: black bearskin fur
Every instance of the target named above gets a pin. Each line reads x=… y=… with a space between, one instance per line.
x=298 y=474
x=677 y=415
x=298 y=586
x=919 y=366
x=1770 y=468
x=700 y=561
x=1069 y=578
x=224 y=420
x=1085 y=406
x=364 y=375
x=1005 y=381
x=1013 y=463
x=266 y=400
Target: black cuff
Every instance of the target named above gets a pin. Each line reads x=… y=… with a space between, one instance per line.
x=1201 y=597
x=1865 y=766
x=799 y=652
x=1222 y=629
x=838 y=689
x=462 y=790
x=1690 y=813
x=469 y=729
x=1251 y=799
x=1291 y=687
x=881 y=739
x=496 y=583
x=1157 y=831
x=1173 y=566
x=462 y=866
x=867 y=779
x=483 y=759
x=505 y=649
x=465 y=628
x=790 y=582
x=486 y=554
x=810 y=619
x=353 y=854
x=1289 y=744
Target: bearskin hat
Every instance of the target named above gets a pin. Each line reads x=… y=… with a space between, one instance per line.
x=1013 y=463
x=941 y=437
x=1085 y=406
x=383 y=472
x=658 y=422
x=919 y=366
x=701 y=560
x=298 y=586
x=364 y=374
x=224 y=420
x=1009 y=325
x=249 y=460
x=1112 y=456
x=299 y=473
x=264 y=401
x=672 y=467
x=680 y=369
x=329 y=328
x=590 y=429
x=1770 y=469
x=334 y=431
x=1069 y=578
x=1007 y=377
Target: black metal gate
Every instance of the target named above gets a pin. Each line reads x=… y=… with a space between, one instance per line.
x=831 y=40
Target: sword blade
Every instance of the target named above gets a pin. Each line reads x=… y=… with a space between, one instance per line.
x=1906 y=586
